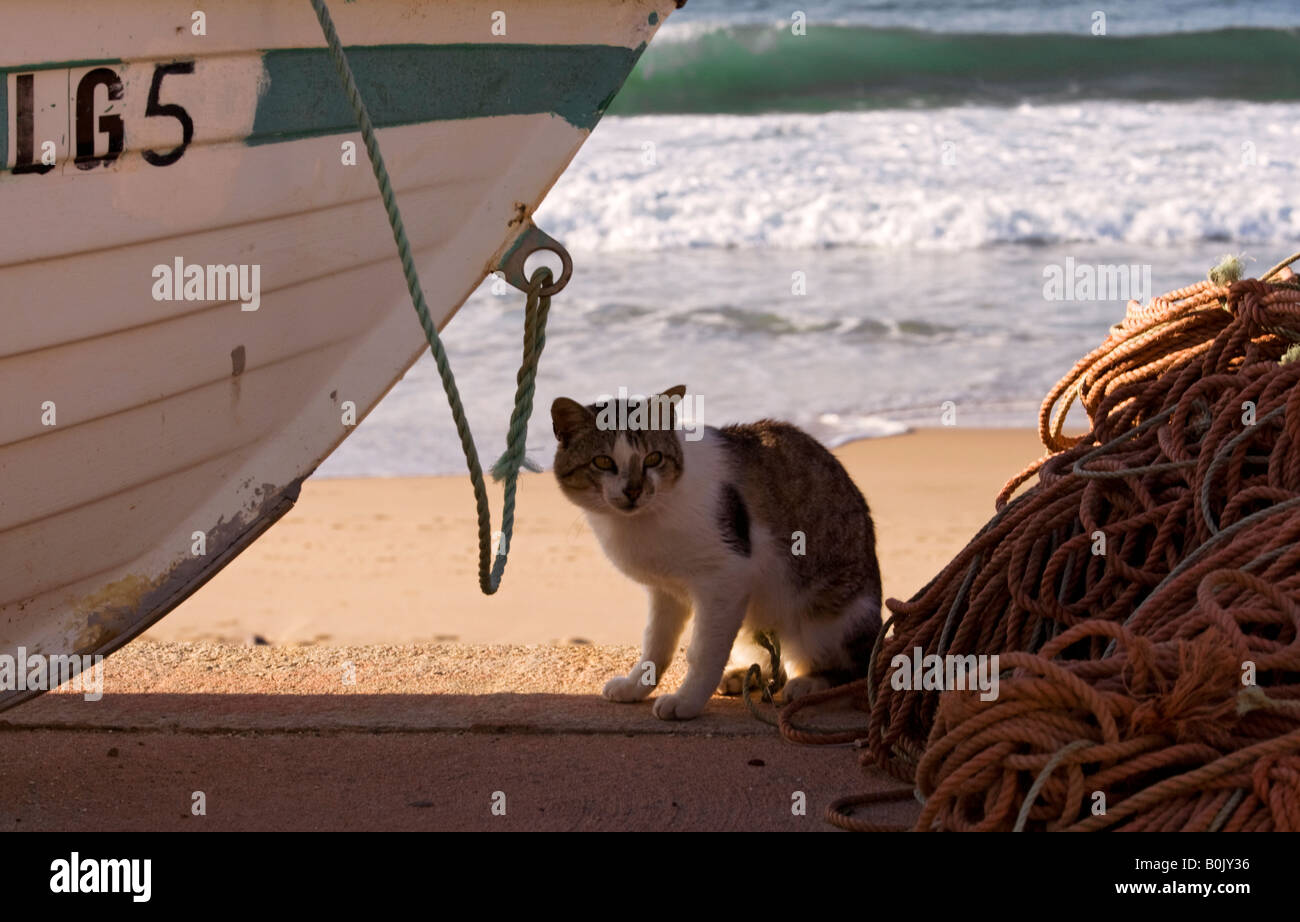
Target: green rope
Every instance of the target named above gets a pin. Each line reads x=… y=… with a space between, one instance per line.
x=770 y=642
x=754 y=680
x=1032 y=795
x=1226 y=810
x=507 y=468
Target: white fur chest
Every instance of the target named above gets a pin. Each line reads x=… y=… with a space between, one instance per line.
x=651 y=549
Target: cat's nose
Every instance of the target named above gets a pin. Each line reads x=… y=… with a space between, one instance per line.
x=631 y=492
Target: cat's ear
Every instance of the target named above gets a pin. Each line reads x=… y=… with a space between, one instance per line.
x=568 y=417
x=676 y=395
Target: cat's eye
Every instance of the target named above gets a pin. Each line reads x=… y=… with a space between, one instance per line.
x=654 y=459
x=603 y=462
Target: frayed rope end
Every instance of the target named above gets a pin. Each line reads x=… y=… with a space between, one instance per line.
x=507 y=465
x=1253 y=698
x=1227 y=271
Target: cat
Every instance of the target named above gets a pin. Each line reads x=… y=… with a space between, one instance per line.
x=754 y=526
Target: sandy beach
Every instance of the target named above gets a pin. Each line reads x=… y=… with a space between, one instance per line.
x=386 y=669
x=393 y=560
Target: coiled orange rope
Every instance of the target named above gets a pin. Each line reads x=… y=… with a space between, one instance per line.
x=1143 y=597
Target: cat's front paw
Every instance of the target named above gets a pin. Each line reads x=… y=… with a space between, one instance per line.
x=733 y=682
x=801 y=686
x=626 y=688
x=677 y=707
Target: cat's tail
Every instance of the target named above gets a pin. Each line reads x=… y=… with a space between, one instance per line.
x=858 y=627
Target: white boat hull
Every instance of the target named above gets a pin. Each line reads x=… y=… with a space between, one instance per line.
x=135 y=432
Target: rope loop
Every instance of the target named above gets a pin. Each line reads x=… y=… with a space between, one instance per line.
x=491 y=565
x=1141 y=599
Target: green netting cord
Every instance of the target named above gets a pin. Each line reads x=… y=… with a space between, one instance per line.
x=507 y=468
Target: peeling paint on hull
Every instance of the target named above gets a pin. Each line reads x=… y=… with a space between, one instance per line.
x=123 y=610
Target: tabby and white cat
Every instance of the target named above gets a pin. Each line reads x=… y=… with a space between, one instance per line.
x=753 y=526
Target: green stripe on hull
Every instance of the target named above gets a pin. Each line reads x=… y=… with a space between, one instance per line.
x=409 y=84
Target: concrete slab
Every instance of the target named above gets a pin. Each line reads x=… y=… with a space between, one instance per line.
x=418 y=737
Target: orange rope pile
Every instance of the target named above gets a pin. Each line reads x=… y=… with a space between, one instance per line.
x=1132 y=595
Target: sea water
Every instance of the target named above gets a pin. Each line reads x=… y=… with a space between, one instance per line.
x=858 y=228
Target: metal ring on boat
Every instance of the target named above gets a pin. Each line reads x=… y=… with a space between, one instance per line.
x=532 y=240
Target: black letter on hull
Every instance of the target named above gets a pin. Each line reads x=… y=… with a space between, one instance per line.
x=108 y=124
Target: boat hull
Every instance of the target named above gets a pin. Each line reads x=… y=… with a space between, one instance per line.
x=152 y=423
